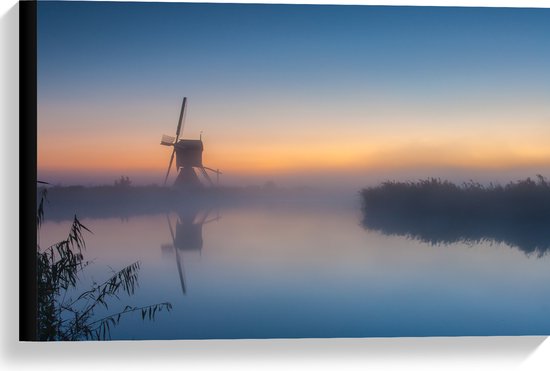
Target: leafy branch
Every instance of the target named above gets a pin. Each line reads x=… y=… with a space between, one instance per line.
x=58 y=269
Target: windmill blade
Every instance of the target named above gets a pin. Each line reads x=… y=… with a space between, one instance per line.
x=181 y=273
x=206 y=176
x=217 y=172
x=180 y=122
x=170 y=141
x=171 y=230
x=214 y=171
x=178 y=259
x=170 y=165
x=167 y=140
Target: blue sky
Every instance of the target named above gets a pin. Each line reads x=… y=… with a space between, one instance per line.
x=261 y=79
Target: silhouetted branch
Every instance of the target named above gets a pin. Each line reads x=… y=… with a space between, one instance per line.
x=58 y=267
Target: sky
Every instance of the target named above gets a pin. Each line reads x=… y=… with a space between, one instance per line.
x=291 y=93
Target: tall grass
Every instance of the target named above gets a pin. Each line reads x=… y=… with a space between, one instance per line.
x=438 y=211
x=63 y=312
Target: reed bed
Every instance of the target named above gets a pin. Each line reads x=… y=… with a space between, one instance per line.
x=438 y=211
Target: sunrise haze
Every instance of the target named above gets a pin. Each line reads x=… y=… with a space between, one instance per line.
x=295 y=94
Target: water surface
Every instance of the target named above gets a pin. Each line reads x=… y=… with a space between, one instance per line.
x=287 y=270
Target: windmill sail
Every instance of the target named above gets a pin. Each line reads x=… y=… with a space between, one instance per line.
x=178 y=131
x=167 y=140
x=181 y=117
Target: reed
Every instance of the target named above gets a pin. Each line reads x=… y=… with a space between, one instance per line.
x=66 y=314
x=438 y=211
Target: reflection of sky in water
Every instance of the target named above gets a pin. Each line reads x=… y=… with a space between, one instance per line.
x=282 y=272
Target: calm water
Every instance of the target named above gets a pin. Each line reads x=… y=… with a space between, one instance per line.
x=279 y=270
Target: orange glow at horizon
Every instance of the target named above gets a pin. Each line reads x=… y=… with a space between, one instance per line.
x=112 y=140
x=290 y=156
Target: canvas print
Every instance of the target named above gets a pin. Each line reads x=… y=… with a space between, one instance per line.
x=255 y=171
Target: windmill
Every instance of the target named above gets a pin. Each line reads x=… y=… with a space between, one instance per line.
x=188 y=154
x=187 y=235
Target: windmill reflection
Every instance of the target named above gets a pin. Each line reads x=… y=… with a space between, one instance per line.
x=187 y=235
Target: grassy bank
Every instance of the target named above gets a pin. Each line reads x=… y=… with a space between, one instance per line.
x=438 y=211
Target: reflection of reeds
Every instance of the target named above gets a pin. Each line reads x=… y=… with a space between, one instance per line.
x=438 y=211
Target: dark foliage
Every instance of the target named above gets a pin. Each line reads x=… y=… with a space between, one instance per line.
x=437 y=211
x=123 y=182
x=62 y=313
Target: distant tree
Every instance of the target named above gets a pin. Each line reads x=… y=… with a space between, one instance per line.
x=123 y=182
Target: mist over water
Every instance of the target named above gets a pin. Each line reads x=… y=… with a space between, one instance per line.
x=270 y=263
x=339 y=180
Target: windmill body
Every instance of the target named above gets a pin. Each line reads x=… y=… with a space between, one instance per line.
x=188 y=154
